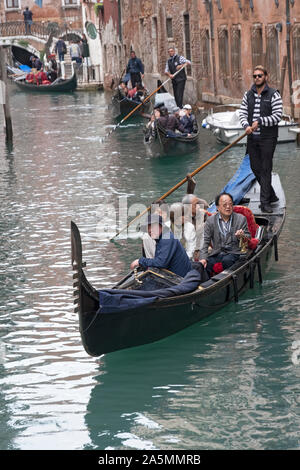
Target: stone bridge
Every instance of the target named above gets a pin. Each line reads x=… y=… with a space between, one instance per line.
x=39 y=41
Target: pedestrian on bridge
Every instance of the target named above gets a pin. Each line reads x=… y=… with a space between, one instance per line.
x=27 y=20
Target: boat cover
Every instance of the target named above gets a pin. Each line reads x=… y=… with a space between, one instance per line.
x=165 y=99
x=239 y=184
x=117 y=300
x=25 y=68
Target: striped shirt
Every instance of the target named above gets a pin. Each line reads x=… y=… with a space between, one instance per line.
x=268 y=121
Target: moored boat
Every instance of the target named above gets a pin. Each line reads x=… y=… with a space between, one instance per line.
x=226 y=127
x=58 y=86
x=170 y=306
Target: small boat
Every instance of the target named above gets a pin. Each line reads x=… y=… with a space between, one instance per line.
x=58 y=86
x=225 y=125
x=121 y=106
x=162 y=142
x=163 y=315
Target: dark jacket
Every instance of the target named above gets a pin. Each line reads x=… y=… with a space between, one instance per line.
x=212 y=236
x=189 y=123
x=170 y=123
x=27 y=15
x=135 y=65
x=60 y=47
x=172 y=64
x=265 y=109
x=85 y=48
x=169 y=254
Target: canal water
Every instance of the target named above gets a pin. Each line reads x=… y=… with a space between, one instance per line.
x=228 y=382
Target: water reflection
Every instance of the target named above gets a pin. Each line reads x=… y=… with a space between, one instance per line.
x=228 y=382
x=173 y=395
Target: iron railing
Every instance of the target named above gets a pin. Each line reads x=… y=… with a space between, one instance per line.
x=41 y=30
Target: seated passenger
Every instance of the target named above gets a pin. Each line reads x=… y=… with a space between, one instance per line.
x=169 y=121
x=149 y=245
x=150 y=129
x=123 y=88
x=131 y=92
x=188 y=120
x=140 y=93
x=183 y=228
x=223 y=231
x=169 y=253
x=196 y=212
x=42 y=78
x=30 y=78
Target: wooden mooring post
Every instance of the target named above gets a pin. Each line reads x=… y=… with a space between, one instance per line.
x=4 y=98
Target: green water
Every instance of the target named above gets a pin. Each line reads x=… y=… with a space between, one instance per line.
x=229 y=382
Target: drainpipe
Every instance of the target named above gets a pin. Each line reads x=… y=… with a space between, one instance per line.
x=212 y=38
x=288 y=53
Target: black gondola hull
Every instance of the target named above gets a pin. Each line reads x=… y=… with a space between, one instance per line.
x=160 y=144
x=65 y=86
x=122 y=106
x=103 y=333
x=106 y=332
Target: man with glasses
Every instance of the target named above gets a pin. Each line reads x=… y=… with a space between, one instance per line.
x=260 y=113
x=223 y=231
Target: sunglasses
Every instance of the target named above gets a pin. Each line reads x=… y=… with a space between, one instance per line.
x=259 y=75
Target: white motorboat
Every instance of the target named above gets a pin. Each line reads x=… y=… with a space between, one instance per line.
x=227 y=128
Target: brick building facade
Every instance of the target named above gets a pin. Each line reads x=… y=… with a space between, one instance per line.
x=223 y=38
x=59 y=11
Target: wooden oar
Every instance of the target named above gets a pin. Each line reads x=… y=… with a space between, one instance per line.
x=141 y=104
x=184 y=181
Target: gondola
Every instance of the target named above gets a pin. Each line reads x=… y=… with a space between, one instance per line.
x=67 y=85
x=122 y=106
x=107 y=332
x=160 y=142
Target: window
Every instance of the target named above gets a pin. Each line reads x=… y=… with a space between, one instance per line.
x=223 y=52
x=187 y=40
x=169 y=25
x=105 y=58
x=296 y=51
x=236 y=66
x=257 y=45
x=204 y=51
x=154 y=45
x=70 y=3
x=12 y=4
x=272 y=55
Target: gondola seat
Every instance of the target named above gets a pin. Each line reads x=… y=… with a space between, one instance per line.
x=252 y=227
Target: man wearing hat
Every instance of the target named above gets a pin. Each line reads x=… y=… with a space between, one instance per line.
x=188 y=120
x=169 y=252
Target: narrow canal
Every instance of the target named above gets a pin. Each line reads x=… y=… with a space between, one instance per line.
x=229 y=382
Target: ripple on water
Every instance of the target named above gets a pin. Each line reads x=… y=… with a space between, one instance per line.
x=229 y=382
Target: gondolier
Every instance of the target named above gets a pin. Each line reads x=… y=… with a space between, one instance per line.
x=175 y=63
x=260 y=114
x=135 y=68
